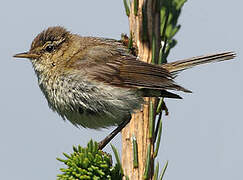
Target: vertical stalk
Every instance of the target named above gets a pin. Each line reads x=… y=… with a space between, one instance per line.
x=145 y=30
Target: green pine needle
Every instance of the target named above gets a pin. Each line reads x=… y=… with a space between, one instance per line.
x=88 y=163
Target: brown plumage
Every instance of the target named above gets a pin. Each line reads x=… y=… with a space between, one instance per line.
x=96 y=82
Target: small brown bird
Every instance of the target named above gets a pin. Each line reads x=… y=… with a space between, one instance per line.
x=95 y=82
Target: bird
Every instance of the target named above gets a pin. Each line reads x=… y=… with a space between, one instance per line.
x=96 y=82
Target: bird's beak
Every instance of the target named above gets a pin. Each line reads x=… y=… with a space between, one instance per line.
x=26 y=55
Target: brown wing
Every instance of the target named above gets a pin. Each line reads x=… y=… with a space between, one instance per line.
x=129 y=72
x=113 y=65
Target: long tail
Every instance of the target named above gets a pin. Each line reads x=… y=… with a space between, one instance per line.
x=181 y=65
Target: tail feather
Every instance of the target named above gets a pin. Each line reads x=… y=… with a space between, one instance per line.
x=158 y=93
x=181 y=65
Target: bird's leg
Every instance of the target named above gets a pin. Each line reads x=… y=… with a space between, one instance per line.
x=108 y=138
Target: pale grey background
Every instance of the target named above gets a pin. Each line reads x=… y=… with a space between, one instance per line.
x=202 y=136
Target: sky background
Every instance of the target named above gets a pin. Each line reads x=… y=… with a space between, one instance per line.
x=202 y=137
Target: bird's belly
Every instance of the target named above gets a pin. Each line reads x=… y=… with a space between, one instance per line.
x=95 y=120
x=91 y=105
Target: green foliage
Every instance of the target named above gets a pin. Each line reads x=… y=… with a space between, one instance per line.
x=127 y=7
x=88 y=163
x=148 y=162
x=118 y=165
x=159 y=137
x=163 y=171
x=135 y=152
x=156 y=172
x=135 y=2
x=170 y=12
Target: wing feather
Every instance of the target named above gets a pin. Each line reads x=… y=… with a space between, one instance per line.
x=115 y=66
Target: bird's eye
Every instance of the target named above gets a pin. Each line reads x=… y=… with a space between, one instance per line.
x=49 y=48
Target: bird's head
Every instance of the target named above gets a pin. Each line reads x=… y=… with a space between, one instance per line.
x=47 y=48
